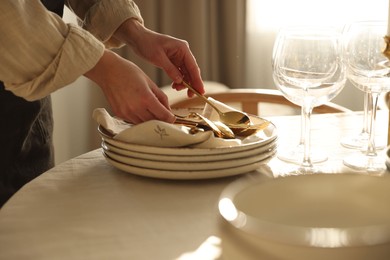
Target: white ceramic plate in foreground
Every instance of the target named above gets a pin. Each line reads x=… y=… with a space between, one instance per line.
x=187 y=174
x=321 y=210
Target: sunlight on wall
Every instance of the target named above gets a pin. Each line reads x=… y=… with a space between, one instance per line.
x=274 y=14
x=265 y=18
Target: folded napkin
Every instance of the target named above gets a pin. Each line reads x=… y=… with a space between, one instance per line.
x=159 y=134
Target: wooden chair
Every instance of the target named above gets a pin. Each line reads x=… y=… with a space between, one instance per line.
x=261 y=102
x=384 y=103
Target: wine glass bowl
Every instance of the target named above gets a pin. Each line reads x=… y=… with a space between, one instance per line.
x=310 y=77
x=308 y=69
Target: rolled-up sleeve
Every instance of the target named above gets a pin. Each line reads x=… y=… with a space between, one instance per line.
x=103 y=17
x=39 y=52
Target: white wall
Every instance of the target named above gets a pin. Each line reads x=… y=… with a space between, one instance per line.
x=74 y=130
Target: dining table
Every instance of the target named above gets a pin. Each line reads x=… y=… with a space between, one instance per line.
x=85 y=208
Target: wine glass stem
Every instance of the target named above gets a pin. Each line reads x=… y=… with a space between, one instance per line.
x=367 y=107
x=307 y=110
x=371 y=151
x=302 y=137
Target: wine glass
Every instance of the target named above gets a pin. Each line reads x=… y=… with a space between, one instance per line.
x=309 y=71
x=368 y=70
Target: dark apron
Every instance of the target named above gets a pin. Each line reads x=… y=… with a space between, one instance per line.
x=26 y=143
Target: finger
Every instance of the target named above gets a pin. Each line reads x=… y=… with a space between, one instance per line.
x=171 y=70
x=134 y=112
x=145 y=115
x=156 y=104
x=178 y=86
x=128 y=117
x=164 y=115
x=158 y=111
x=191 y=72
x=181 y=86
x=161 y=96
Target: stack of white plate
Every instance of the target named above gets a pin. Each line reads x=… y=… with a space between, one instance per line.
x=187 y=162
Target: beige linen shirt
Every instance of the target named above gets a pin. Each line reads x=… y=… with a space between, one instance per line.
x=40 y=53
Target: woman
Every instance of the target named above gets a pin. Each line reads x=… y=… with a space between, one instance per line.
x=40 y=54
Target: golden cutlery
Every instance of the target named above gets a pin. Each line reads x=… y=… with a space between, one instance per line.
x=249 y=130
x=195 y=119
x=229 y=117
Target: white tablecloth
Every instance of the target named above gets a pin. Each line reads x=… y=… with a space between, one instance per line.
x=87 y=209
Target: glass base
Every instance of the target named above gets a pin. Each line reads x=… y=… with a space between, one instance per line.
x=296 y=155
x=299 y=170
x=360 y=142
x=302 y=170
x=361 y=162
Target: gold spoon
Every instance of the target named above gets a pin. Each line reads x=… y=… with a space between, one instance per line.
x=196 y=119
x=228 y=118
x=226 y=131
x=213 y=127
x=250 y=130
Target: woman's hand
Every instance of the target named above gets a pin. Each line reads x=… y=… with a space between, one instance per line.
x=133 y=96
x=171 y=54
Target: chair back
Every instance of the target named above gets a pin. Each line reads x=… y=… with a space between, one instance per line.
x=260 y=102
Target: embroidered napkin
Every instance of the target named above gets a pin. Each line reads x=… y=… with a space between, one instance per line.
x=158 y=133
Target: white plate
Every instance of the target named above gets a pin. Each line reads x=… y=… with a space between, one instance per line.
x=189 y=158
x=186 y=174
x=321 y=210
x=190 y=166
x=260 y=139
